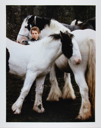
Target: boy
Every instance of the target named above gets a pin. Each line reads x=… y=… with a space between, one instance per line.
x=35 y=32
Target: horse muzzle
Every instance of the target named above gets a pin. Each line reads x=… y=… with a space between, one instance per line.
x=76 y=59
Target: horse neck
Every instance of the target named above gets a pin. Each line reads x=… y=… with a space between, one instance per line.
x=23 y=34
x=52 y=48
x=56 y=26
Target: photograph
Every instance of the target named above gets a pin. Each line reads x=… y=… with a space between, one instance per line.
x=55 y=45
x=49 y=72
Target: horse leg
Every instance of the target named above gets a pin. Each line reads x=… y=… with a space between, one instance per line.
x=55 y=92
x=68 y=92
x=30 y=77
x=38 y=107
x=28 y=97
x=85 y=110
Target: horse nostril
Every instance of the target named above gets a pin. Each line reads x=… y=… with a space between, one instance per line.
x=77 y=61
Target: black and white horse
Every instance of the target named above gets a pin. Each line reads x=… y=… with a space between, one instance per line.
x=86 y=42
x=75 y=22
x=34 y=62
x=83 y=25
x=41 y=22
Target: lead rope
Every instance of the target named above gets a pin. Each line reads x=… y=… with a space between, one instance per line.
x=28 y=33
x=25 y=35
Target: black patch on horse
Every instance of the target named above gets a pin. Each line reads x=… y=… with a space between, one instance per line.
x=30 y=22
x=66 y=39
x=67 y=46
x=7 y=59
x=40 y=22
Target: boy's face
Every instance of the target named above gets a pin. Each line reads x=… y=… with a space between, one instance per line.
x=35 y=34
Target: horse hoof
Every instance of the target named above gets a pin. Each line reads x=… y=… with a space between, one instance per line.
x=38 y=109
x=15 y=109
x=54 y=96
x=83 y=117
x=52 y=99
x=69 y=96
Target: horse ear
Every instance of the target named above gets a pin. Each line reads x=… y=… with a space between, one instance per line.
x=71 y=35
x=61 y=35
x=30 y=20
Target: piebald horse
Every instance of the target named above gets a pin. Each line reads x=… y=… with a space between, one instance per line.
x=86 y=42
x=25 y=63
x=84 y=25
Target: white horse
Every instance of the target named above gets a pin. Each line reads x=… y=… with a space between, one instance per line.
x=84 y=74
x=85 y=39
x=34 y=62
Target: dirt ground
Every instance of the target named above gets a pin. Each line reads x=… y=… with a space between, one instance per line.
x=62 y=111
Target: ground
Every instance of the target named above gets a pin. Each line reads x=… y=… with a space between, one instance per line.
x=62 y=111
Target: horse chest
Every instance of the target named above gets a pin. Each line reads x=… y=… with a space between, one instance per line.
x=17 y=71
x=17 y=68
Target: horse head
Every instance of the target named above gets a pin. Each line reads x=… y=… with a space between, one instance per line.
x=70 y=47
x=24 y=32
x=28 y=23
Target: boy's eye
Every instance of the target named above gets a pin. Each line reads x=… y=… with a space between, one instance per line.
x=34 y=33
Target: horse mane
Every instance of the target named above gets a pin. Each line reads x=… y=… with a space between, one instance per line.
x=41 y=22
x=55 y=36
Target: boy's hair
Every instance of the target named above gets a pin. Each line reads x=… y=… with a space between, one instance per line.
x=35 y=29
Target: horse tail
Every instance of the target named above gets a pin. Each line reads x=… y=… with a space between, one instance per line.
x=7 y=59
x=91 y=73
